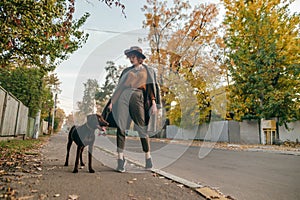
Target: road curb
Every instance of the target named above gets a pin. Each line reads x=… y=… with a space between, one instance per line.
x=212 y=194
x=206 y=192
x=293 y=153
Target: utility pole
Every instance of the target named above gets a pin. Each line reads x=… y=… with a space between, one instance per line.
x=54 y=87
x=53 y=114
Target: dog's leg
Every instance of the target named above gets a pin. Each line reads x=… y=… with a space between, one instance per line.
x=70 y=141
x=81 y=160
x=90 y=158
x=77 y=159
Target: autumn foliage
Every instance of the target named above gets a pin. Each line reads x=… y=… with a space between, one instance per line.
x=262 y=39
x=185 y=45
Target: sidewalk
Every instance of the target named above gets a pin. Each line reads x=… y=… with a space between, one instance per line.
x=238 y=147
x=52 y=180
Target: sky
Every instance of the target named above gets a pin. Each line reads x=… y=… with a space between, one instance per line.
x=110 y=33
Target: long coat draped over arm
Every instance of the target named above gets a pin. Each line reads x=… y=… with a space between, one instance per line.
x=151 y=85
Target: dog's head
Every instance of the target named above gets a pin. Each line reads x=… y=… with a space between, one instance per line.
x=95 y=121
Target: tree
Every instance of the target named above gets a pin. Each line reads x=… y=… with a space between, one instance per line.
x=69 y=121
x=31 y=87
x=41 y=33
x=38 y=33
x=59 y=119
x=117 y=3
x=111 y=81
x=35 y=36
x=188 y=47
x=48 y=108
x=87 y=105
x=27 y=85
x=262 y=39
x=161 y=22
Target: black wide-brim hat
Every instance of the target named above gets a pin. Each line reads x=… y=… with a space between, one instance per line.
x=135 y=50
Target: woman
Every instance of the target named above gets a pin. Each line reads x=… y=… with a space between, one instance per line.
x=135 y=99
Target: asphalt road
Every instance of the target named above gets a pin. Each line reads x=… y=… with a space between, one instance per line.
x=244 y=175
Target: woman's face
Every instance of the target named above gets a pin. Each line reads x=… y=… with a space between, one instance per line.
x=133 y=59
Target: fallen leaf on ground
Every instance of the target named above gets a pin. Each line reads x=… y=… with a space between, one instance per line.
x=39 y=168
x=73 y=197
x=56 y=195
x=26 y=197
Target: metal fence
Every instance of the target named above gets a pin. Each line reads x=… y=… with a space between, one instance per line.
x=13 y=115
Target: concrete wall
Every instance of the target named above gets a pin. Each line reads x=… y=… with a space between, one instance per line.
x=217 y=131
x=234 y=132
x=249 y=132
x=175 y=132
x=293 y=134
x=202 y=131
x=246 y=132
x=214 y=131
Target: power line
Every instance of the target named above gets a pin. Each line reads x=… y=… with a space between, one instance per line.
x=115 y=32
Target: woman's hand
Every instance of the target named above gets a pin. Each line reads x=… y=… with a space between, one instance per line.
x=109 y=107
x=153 y=109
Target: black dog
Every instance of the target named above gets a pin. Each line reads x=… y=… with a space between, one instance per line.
x=84 y=135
